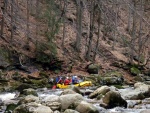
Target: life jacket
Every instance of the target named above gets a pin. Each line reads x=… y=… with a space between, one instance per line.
x=67 y=82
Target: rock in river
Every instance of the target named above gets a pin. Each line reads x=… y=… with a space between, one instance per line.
x=113 y=99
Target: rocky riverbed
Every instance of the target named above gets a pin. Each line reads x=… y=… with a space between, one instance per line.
x=103 y=99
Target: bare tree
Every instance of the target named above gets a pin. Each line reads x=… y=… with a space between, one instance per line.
x=140 y=30
x=129 y=17
x=27 y=22
x=37 y=16
x=133 y=32
x=91 y=30
x=64 y=21
x=116 y=23
x=79 y=24
x=3 y=13
x=98 y=35
x=12 y=20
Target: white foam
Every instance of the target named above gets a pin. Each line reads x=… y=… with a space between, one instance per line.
x=7 y=96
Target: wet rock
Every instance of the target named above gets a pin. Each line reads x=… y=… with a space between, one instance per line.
x=113 y=99
x=102 y=90
x=114 y=88
x=139 y=78
x=112 y=80
x=52 y=101
x=29 y=91
x=77 y=90
x=10 y=108
x=56 y=111
x=87 y=92
x=147 y=82
x=23 y=86
x=68 y=99
x=132 y=103
x=54 y=105
x=51 y=98
x=70 y=111
x=68 y=91
x=145 y=111
x=29 y=99
x=85 y=107
x=140 y=91
x=2 y=109
x=146 y=101
x=40 y=83
x=32 y=108
x=93 y=69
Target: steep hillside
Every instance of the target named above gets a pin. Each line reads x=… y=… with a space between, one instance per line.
x=118 y=32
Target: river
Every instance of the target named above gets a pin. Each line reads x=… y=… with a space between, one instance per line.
x=44 y=92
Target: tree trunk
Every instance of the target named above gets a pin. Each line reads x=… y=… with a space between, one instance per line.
x=140 y=29
x=98 y=36
x=64 y=22
x=12 y=20
x=2 y=20
x=37 y=16
x=129 y=18
x=27 y=24
x=116 y=21
x=79 y=24
x=91 y=30
x=133 y=34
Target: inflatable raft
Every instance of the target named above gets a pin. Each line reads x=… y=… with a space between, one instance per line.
x=81 y=84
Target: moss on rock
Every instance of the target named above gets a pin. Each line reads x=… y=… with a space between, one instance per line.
x=135 y=71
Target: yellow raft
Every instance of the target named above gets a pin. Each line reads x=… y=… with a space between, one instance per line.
x=81 y=84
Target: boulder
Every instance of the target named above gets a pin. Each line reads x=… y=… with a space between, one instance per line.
x=93 y=69
x=40 y=83
x=145 y=111
x=70 y=111
x=140 y=91
x=68 y=91
x=76 y=89
x=10 y=107
x=23 y=86
x=113 y=99
x=29 y=99
x=68 y=99
x=56 y=111
x=132 y=103
x=102 y=90
x=52 y=101
x=87 y=92
x=146 y=101
x=85 y=107
x=32 y=108
x=29 y=91
x=139 y=78
x=112 y=80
